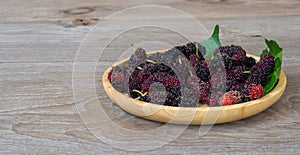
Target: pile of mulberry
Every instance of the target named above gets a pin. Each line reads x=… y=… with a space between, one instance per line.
x=186 y=79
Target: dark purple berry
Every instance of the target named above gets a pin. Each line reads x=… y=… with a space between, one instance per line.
x=200 y=67
x=236 y=74
x=261 y=70
x=137 y=58
x=148 y=73
x=204 y=91
x=249 y=62
x=230 y=56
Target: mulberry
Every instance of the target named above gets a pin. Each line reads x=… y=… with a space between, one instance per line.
x=191 y=48
x=261 y=70
x=230 y=56
x=137 y=58
x=230 y=97
x=253 y=92
x=147 y=74
x=182 y=77
x=200 y=67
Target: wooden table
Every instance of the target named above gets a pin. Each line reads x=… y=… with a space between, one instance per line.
x=38 y=44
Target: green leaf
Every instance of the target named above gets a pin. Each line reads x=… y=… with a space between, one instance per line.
x=271 y=83
x=276 y=51
x=274 y=48
x=277 y=67
x=212 y=43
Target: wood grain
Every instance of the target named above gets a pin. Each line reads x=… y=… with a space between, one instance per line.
x=70 y=10
x=38 y=44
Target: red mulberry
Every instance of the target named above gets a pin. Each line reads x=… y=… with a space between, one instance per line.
x=231 y=97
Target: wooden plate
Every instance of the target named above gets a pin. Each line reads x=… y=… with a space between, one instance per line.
x=192 y=116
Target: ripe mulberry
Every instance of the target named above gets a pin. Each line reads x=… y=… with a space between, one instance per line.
x=253 y=92
x=200 y=67
x=191 y=48
x=230 y=56
x=261 y=70
x=137 y=58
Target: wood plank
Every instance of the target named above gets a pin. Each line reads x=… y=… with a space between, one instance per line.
x=40 y=42
x=93 y=9
x=37 y=105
